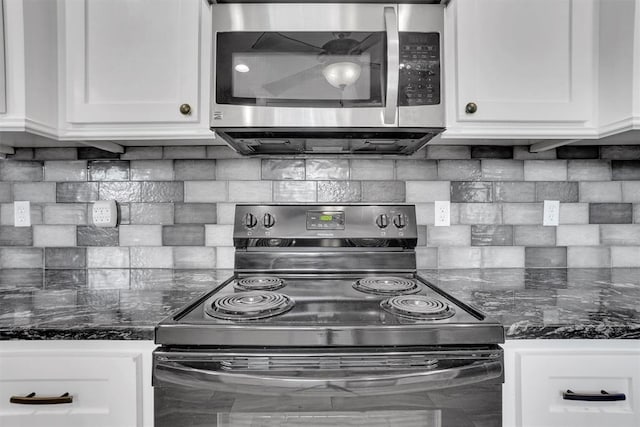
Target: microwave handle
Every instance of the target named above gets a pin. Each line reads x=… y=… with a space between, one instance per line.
x=393 y=65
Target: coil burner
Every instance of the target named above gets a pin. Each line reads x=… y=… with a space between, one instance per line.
x=260 y=283
x=248 y=305
x=417 y=307
x=386 y=286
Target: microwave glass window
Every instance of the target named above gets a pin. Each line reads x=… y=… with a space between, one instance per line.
x=311 y=69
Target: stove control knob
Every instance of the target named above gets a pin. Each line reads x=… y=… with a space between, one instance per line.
x=382 y=221
x=250 y=220
x=268 y=220
x=400 y=221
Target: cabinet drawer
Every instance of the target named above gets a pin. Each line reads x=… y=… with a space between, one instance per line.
x=544 y=378
x=105 y=389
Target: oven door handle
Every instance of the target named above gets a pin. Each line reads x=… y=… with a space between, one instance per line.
x=171 y=372
x=393 y=65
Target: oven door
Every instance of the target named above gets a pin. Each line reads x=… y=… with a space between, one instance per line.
x=326 y=65
x=413 y=387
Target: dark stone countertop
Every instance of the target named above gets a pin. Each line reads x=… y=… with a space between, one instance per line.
x=545 y=303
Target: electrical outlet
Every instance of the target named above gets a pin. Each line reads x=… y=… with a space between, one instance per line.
x=551 y=212
x=442 y=213
x=22 y=214
x=104 y=213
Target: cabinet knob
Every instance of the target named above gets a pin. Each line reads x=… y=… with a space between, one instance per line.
x=185 y=109
x=471 y=108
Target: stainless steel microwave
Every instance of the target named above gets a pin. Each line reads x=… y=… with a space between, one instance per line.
x=327 y=78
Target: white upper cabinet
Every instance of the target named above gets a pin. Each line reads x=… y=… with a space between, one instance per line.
x=521 y=69
x=12 y=70
x=135 y=69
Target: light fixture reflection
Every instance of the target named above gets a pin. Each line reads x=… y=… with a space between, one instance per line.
x=242 y=68
x=342 y=74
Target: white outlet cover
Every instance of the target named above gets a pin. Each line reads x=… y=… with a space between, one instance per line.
x=551 y=214
x=22 y=214
x=104 y=213
x=442 y=213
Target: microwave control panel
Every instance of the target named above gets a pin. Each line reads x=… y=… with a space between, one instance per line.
x=419 y=69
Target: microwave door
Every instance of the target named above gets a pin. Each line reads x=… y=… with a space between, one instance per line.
x=276 y=65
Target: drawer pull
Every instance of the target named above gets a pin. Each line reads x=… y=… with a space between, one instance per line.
x=32 y=399
x=602 y=397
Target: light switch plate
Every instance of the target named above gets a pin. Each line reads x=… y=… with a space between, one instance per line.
x=551 y=213
x=104 y=213
x=442 y=213
x=22 y=214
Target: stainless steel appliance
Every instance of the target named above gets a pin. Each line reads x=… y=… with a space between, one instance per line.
x=357 y=78
x=326 y=322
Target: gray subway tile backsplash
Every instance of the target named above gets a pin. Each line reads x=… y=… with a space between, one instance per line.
x=471 y=192
x=549 y=257
x=21 y=171
x=566 y=192
x=95 y=236
x=38 y=192
x=610 y=213
x=65 y=279
x=339 y=191
x=69 y=192
x=151 y=170
x=534 y=235
x=383 y=191
x=176 y=208
x=502 y=170
x=459 y=170
x=424 y=170
x=14 y=236
x=194 y=170
x=295 y=191
x=281 y=169
x=620 y=152
x=326 y=169
x=491 y=152
x=121 y=191
x=108 y=170
x=151 y=213
x=514 y=192
x=75 y=170
x=21 y=257
x=622 y=170
x=182 y=235
x=448 y=152
x=492 y=235
x=195 y=213
x=5 y=192
x=578 y=152
x=545 y=170
x=589 y=170
x=65 y=258
x=162 y=191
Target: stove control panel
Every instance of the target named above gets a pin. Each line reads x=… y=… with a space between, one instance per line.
x=325 y=221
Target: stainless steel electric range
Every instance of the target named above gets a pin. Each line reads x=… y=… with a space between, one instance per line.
x=325 y=321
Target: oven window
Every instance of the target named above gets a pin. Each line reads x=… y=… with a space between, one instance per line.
x=301 y=69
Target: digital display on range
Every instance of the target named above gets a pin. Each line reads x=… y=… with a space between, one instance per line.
x=320 y=220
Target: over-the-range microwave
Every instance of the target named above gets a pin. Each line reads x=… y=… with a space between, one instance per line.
x=293 y=78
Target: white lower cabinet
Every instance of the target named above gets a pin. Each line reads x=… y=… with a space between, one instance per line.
x=109 y=383
x=538 y=372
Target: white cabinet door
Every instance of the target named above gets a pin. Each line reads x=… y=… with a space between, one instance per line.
x=538 y=372
x=520 y=62
x=132 y=61
x=109 y=383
